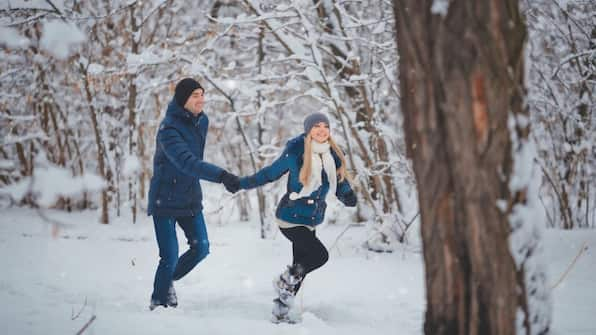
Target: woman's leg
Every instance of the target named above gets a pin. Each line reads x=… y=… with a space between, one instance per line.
x=196 y=234
x=309 y=252
x=165 y=233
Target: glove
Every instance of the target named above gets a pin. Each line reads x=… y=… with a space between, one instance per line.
x=230 y=181
x=350 y=199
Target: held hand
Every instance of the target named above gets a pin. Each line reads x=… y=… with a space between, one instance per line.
x=350 y=199
x=230 y=181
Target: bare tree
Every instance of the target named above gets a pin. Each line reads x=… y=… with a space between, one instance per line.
x=562 y=103
x=461 y=76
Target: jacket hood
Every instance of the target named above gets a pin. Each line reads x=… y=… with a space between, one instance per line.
x=174 y=109
x=295 y=145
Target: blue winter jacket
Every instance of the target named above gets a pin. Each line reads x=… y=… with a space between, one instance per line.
x=307 y=210
x=178 y=164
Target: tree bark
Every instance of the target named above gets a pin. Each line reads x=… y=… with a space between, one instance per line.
x=101 y=166
x=260 y=194
x=461 y=77
x=132 y=116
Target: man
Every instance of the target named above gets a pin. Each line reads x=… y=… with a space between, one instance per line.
x=175 y=192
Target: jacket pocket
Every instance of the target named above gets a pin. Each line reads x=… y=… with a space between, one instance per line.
x=303 y=210
x=179 y=192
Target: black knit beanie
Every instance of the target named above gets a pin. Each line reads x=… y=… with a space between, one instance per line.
x=184 y=89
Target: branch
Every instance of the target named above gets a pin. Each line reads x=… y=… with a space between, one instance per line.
x=571 y=58
x=581 y=251
x=153 y=11
x=29 y=19
x=579 y=26
x=86 y=325
x=341 y=234
x=74 y=317
x=551 y=182
x=56 y=10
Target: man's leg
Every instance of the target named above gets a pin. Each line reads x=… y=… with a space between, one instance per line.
x=196 y=234
x=165 y=233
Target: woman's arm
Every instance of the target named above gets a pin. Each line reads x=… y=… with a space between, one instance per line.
x=178 y=152
x=269 y=173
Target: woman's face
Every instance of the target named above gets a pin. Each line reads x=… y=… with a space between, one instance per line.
x=320 y=132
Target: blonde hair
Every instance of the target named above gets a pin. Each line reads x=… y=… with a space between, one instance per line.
x=305 y=170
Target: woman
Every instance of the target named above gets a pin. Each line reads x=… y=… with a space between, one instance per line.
x=317 y=168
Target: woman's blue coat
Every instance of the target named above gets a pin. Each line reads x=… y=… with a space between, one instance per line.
x=178 y=164
x=307 y=210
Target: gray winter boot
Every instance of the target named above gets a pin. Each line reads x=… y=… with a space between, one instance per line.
x=280 y=312
x=286 y=286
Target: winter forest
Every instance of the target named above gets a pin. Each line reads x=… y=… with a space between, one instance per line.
x=468 y=128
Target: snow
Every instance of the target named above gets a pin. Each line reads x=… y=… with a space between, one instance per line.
x=527 y=221
x=523 y=166
x=58 y=38
x=51 y=274
x=148 y=57
x=6 y=164
x=131 y=165
x=440 y=7
x=380 y=28
x=49 y=182
x=31 y=4
x=12 y=39
x=95 y=69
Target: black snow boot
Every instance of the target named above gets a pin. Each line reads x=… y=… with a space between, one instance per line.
x=172 y=298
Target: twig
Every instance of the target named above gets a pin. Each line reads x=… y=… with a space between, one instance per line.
x=74 y=317
x=407 y=225
x=571 y=58
x=552 y=183
x=86 y=325
x=56 y=10
x=581 y=251
x=550 y=220
x=343 y=232
x=223 y=201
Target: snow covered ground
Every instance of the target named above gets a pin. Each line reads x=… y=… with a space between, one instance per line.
x=54 y=281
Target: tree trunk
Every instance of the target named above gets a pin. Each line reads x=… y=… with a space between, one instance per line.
x=461 y=78
x=101 y=166
x=132 y=117
x=260 y=194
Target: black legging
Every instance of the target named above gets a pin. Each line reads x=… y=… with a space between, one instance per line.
x=308 y=250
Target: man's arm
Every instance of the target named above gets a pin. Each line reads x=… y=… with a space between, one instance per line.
x=178 y=152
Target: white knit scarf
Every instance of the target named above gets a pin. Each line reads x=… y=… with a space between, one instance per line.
x=321 y=159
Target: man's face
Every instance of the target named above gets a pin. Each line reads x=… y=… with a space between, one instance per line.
x=320 y=132
x=195 y=102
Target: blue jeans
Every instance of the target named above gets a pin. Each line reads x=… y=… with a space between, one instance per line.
x=170 y=266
